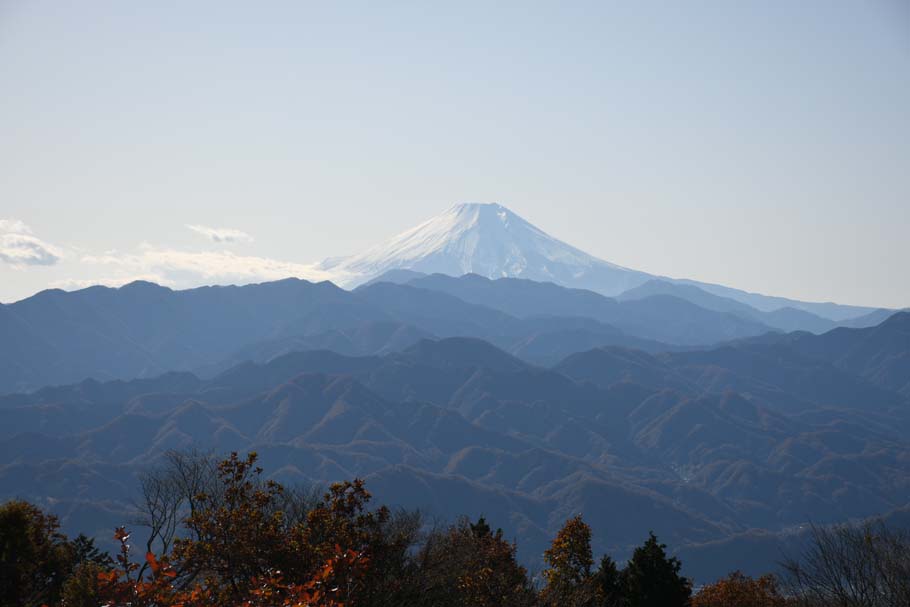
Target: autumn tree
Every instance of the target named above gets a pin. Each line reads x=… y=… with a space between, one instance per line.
x=239 y=535
x=343 y=518
x=651 y=579
x=739 y=590
x=569 y=562
x=244 y=531
x=249 y=543
x=82 y=588
x=123 y=586
x=469 y=564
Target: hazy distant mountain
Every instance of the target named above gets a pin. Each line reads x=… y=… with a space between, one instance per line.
x=690 y=293
x=662 y=318
x=492 y=241
x=769 y=303
x=142 y=329
x=784 y=319
x=871 y=319
x=398 y=277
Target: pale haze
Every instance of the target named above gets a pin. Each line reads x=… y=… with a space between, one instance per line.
x=760 y=145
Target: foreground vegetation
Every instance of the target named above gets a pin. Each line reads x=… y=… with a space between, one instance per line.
x=220 y=534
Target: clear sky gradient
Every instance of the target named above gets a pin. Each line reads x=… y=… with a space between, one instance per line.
x=762 y=145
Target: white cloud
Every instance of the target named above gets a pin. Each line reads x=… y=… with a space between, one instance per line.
x=221 y=235
x=191 y=268
x=15 y=226
x=20 y=247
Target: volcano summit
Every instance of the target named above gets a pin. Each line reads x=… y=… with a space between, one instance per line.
x=492 y=241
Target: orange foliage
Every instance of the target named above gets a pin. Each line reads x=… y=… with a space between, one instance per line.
x=328 y=587
x=738 y=590
x=570 y=561
x=244 y=552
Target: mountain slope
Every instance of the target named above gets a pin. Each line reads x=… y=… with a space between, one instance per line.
x=457 y=426
x=880 y=354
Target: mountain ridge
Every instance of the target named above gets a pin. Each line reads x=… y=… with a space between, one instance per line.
x=142 y=329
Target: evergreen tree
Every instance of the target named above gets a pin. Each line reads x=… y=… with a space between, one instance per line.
x=481 y=529
x=607 y=583
x=85 y=551
x=35 y=557
x=651 y=579
x=81 y=588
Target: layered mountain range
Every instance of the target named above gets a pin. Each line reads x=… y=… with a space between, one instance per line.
x=475 y=365
x=142 y=329
x=501 y=262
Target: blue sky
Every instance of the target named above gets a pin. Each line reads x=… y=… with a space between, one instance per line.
x=761 y=145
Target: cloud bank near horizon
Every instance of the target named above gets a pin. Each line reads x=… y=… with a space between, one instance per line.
x=19 y=247
x=221 y=235
x=181 y=268
x=175 y=267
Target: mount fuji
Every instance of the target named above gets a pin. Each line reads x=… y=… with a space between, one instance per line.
x=492 y=241
x=489 y=240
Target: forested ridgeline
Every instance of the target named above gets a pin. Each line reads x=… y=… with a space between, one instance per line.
x=220 y=533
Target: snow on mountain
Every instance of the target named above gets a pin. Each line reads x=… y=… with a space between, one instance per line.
x=485 y=239
x=491 y=240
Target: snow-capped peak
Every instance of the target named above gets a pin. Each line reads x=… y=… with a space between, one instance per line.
x=486 y=239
